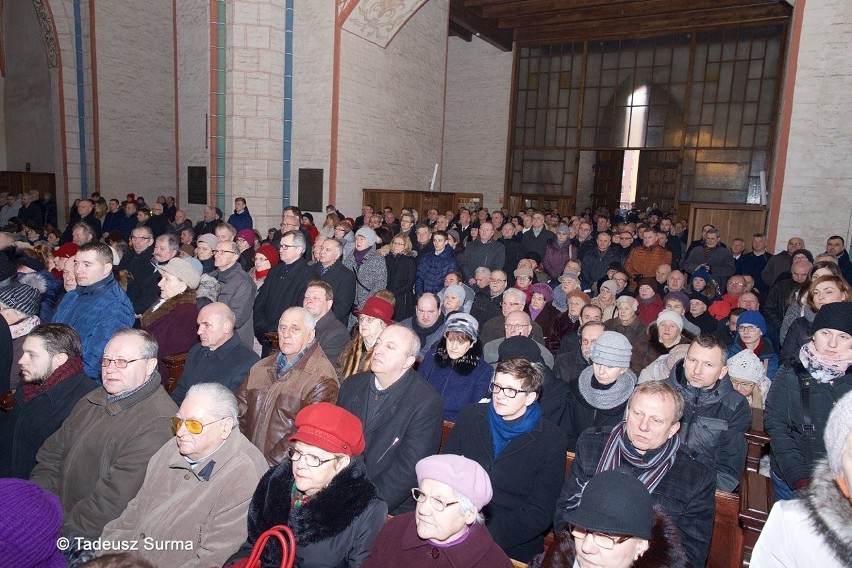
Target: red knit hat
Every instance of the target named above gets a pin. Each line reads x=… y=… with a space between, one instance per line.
x=329 y=428
x=270 y=253
x=65 y=251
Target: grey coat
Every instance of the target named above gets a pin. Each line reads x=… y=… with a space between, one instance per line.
x=238 y=291
x=370 y=277
x=491 y=255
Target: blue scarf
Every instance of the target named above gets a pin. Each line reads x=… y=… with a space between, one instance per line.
x=503 y=431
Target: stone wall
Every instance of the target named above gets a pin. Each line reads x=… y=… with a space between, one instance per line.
x=479 y=81
x=817 y=192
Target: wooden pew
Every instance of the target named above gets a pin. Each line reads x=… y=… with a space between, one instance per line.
x=175 y=365
x=757 y=440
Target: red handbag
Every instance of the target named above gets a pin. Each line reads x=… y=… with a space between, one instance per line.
x=288 y=548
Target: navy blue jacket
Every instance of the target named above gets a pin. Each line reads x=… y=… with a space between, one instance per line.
x=432 y=269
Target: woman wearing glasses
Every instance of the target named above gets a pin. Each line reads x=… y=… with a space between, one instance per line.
x=322 y=493
x=751 y=332
x=604 y=532
x=446 y=529
x=523 y=453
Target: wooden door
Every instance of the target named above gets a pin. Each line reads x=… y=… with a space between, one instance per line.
x=608 y=168
x=658 y=179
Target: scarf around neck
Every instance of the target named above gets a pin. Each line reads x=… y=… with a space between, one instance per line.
x=425 y=332
x=504 y=431
x=822 y=367
x=67 y=369
x=606 y=399
x=360 y=255
x=619 y=449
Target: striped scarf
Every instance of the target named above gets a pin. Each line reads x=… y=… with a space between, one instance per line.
x=619 y=448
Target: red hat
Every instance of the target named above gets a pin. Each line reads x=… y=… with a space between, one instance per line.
x=131 y=197
x=248 y=235
x=65 y=251
x=270 y=253
x=329 y=428
x=377 y=308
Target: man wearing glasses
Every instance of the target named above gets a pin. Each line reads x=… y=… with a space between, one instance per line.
x=207 y=471
x=517 y=324
x=237 y=289
x=523 y=453
x=95 y=463
x=139 y=261
x=514 y=300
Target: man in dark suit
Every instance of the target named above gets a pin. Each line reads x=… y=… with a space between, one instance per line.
x=86 y=209
x=342 y=280
x=402 y=416
x=331 y=334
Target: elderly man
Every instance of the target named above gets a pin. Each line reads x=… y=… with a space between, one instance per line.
x=781 y=262
x=81 y=233
x=778 y=298
x=681 y=481
x=734 y=289
x=513 y=301
x=197 y=486
x=364 y=217
x=86 y=210
x=483 y=252
x=598 y=260
x=95 y=463
x=208 y=223
x=52 y=383
x=402 y=416
x=280 y=385
x=236 y=289
x=716 y=416
x=220 y=356
x=570 y=363
x=428 y=323
x=97 y=307
x=486 y=304
x=284 y=286
x=517 y=323
x=331 y=334
x=166 y=247
x=342 y=280
x=642 y=261
x=142 y=289
x=535 y=240
x=717 y=259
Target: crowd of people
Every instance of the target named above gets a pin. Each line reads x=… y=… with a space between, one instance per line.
x=321 y=361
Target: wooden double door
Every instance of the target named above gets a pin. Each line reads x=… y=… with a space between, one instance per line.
x=657 y=181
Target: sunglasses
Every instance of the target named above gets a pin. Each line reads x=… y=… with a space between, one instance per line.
x=192 y=426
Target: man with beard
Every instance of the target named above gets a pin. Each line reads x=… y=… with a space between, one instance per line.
x=52 y=381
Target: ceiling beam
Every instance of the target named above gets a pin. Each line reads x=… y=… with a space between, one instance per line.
x=486 y=29
x=458 y=31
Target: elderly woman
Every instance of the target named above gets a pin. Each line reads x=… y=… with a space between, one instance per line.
x=245 y=243
x=322 y=493
x=699 y=316
x=605 y=299
x=821 y=291
x=569 y=321
x=375 y=316
x=204 y=252
x=401 y=265
x=172 y=318
x=813 y=530
x=663 y=335
x=751 y=332
x=453 y=300
x=568 y=282
x=627 y=321
x=820 y=375
x=455 y=366
x=371 y=273
x=265 y=257
x=541 y=308
x=603 y=533
x=523 y=453
x=749 y=377
x=446 y=530
x=598 y=396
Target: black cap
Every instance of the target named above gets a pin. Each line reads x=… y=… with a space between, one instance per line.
x=834 y=316
x=614 y=502
x=519 y=346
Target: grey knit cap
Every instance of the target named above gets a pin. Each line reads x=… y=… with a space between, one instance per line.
x=21 y=297
x=629 y=300
x=368 y=234
x=209 y=239
x=745 y=366
x=181 y=269
x=611 y=286
x=612 y=349
x=465 y=323
x=455 y=290
x=837 y=431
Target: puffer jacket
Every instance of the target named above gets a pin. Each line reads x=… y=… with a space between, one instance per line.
x=556 y=256
x=460 y=382
x=96 y=312
x=432 y=269
x=714 y=423
x=268 y=406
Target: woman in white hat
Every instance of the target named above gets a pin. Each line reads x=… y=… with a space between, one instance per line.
x=749 y=377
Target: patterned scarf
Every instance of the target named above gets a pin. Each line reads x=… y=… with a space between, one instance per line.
x=822 y=367
x=503 y=431
x=618 y=448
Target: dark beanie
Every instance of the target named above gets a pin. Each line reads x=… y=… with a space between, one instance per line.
x=833 y=316
x=519 y=346
x=602 y=506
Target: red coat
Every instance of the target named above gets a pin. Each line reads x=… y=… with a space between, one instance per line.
x=648 y=311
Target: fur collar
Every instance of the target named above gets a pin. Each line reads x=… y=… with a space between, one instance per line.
x=664 y=548
x=830 y=512
x=329 y=512
x=465 y=364
x=151 y=316
x=685 y=339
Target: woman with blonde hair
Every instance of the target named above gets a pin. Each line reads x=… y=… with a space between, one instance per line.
x=402 y=268
x=327 y=229
x=822 y=290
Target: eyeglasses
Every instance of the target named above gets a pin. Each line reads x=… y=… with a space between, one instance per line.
x=434 y=502
x=119 y=363
x=223 y=252
x=192 y=426
x=516 y=325
x=511 y=304
x=600 y=539
x=311 y=460
x=508 y=392
x=497 y=280
x=282 y=245
x=743 y=384
x=745 y=328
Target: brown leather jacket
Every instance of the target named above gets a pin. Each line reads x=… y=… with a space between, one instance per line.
x=268 y=406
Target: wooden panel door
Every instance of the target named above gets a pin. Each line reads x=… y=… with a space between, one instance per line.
x=658 y=179
x=609 y=169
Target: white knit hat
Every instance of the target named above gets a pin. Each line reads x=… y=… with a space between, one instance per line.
x=672 y=316
x=837 y=431
x=745 y=366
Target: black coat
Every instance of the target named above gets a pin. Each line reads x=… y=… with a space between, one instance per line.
x=142 y=289
x=407 y=429
x=485 y=307
x=228 y=365
x=526 y=478
x=29 y=424
x=402 y=269
x=283 y=288
x=687 y=493
x=342 y=282
x=90 y=220
x=5 y=356
x=578 y=415
x=335 y=528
